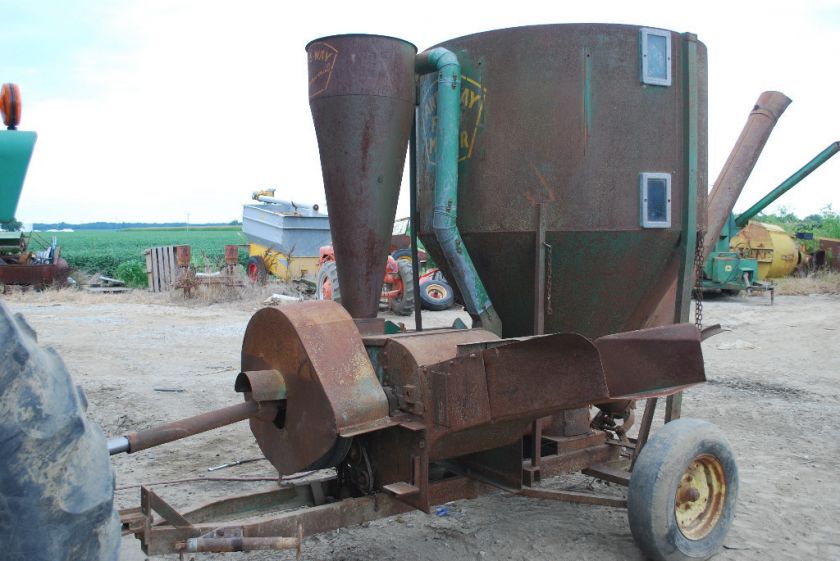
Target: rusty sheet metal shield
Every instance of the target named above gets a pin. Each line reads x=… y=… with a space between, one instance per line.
x=652 y=362
x=832 y=247
x=542 y=375
x=330 y=383
x=361 y=93
x=36 y=275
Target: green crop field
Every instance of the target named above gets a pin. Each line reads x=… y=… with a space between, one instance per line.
x=119 y=253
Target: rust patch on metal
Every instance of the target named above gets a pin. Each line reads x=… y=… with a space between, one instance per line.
x=362 y=109
x=330 y=383
x=652 y=362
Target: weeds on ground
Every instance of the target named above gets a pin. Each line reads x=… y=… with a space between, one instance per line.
x=821 y=282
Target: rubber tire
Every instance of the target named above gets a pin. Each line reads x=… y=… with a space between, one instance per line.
x=56 y=481
x=436 y=304
x=653 y=486
x=261 y=272
x=402 y=255
x=328 y=271
x=403 y=305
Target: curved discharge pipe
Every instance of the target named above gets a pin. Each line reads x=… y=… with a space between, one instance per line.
x=444 y=221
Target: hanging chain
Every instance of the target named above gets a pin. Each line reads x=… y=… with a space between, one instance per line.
x=548 y=309
x=698 y=282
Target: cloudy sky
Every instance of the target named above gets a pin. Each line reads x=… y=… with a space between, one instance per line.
x=154 y=110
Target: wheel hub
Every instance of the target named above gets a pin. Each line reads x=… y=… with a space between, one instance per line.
x=435 y=291
x=700 y=497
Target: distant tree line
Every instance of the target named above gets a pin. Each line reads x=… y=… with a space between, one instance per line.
x=826 y=224
x=122 y=225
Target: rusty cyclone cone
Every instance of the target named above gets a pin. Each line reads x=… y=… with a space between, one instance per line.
x=361 y=93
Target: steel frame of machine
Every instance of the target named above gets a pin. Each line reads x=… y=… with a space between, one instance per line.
x=300 y=508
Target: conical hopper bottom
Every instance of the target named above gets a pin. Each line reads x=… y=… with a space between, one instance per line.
x=362 y=100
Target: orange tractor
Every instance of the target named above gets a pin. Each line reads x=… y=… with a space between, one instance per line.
x=397 y=284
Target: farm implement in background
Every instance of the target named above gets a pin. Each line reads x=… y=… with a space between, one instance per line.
x=19 y=264
x=284 y=238
x=397 y=284
x=747 y=253
x=435 y=292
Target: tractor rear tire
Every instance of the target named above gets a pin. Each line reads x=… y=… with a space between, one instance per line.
x=328 y=273
x=56 y=482
x=403 y=304
x=402 y=255
x=683 y=491
x=257 y=272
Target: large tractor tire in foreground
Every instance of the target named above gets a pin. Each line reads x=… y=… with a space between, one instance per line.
x=683 y=491
x=56 y=482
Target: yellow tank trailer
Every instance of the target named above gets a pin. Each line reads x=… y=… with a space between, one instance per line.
x=281 y=265
x=285 y=237
x=777 y=253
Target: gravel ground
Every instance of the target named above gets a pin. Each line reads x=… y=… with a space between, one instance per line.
x=774 y=389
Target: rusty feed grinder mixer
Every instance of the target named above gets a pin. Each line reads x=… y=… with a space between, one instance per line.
x=558 y=178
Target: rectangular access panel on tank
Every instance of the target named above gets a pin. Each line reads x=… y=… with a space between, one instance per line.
x=558 y=126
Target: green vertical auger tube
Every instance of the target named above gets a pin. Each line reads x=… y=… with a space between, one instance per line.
x=15 y=152
x=786 y=185
x=444 y=221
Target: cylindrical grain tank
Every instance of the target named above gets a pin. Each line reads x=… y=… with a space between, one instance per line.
x=775 y=249
x=589 y=135
x=361 y=93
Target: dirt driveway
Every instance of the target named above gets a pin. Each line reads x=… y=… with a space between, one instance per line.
x=774 y=389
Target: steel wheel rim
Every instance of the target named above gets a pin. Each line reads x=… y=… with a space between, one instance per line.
x=700 y=497
x=435 y=291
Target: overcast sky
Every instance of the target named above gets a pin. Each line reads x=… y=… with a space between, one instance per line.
x=156 y=110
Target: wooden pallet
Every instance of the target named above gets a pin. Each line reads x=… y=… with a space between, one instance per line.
x=161 y=268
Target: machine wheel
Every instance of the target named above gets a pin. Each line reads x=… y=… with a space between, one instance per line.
x=403 y=305
x=683 y=491
x=327 y=282
x=256 y=270
x=402 y=255
x=56 y=481
x=436 y=295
